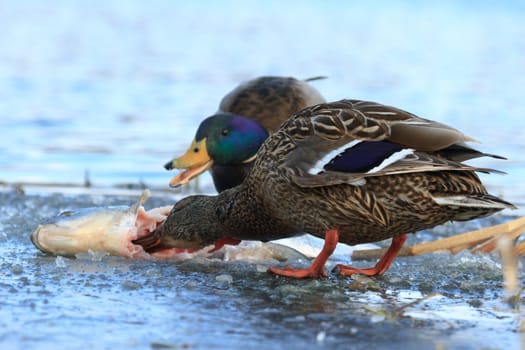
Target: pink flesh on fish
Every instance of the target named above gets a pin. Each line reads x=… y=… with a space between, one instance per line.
x=146 y=222
x=108 y=230
x=111 y=230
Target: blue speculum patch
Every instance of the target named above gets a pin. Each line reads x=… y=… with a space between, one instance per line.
x=363 y=157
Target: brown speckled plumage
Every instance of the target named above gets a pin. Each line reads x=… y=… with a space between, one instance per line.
x=270 y=100
x=283 y=196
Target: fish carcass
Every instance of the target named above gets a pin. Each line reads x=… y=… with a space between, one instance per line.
x=111 y=230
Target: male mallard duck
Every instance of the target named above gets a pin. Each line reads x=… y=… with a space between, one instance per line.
x=349 y=171
x=228 y=141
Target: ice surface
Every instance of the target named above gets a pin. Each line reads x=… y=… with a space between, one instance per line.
x=136 y=303
x=118 y=88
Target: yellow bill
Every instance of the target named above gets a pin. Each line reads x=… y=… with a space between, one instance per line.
x=196 y=160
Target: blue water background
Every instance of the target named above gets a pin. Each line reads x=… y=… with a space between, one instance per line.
x=116 y=88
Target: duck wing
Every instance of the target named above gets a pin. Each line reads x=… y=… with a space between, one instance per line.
x=350 y=140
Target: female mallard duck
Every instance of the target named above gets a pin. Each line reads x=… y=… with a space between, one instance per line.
x=349 y=171
x=228 y=141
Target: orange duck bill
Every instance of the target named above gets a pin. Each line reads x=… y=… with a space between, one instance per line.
x=196 y=160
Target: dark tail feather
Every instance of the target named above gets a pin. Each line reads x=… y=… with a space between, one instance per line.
x=460 y=152
x=320 y=77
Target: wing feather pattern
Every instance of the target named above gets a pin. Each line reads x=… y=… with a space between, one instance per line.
x=350 y=140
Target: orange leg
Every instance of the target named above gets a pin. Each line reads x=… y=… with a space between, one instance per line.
x=383 y=264
x=316 y=270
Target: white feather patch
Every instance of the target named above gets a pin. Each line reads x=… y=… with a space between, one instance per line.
x=463 y=201
x=360 y=182
x=394 y=157
x=381 y=112
x=416 y=122
x=327 y=158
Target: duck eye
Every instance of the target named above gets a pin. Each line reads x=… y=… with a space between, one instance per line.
x=196 y=150
x=225 y=132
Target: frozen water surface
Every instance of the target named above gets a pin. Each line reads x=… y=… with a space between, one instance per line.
x=109 y=91
x=111 y=302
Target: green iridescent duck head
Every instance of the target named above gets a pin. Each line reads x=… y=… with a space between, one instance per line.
x=223 y=139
